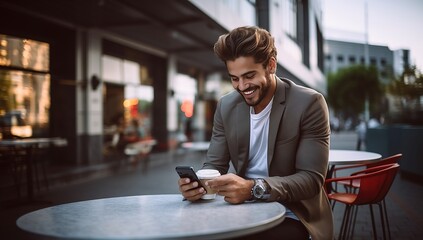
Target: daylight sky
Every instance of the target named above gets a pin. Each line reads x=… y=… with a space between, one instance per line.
x=393 y=23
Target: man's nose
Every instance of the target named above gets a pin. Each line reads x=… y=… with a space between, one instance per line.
x=242 y=84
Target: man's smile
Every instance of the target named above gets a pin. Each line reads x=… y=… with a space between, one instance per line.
x=249 y=91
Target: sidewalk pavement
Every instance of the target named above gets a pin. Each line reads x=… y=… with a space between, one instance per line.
x=403 y=201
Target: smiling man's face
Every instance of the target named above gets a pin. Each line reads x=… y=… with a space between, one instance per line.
x=255 y=83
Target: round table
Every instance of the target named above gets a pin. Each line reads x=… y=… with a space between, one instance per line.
x=152 y=217
x=344 y=157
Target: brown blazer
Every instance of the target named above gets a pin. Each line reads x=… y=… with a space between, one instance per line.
x=298 y=150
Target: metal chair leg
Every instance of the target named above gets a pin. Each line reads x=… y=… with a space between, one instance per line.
x=373 y=222
x=333 y=205
x=386 y=218
x=345 y=222
x=382 y=220
x=352 y=225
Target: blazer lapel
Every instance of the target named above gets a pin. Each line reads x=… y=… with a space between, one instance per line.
x=278 y=108
x=243 y=136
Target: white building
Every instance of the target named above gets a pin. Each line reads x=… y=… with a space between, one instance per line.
x=390 y=63
x=401 y=60
x=340 y=54
x=295 y=25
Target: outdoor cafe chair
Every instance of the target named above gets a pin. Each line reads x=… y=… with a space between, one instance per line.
x=350 y=186
x=375 y=183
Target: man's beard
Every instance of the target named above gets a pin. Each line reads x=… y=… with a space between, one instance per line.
x=263 y=91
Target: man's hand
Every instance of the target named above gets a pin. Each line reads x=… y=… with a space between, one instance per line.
x=235 y=189
x=190 y=190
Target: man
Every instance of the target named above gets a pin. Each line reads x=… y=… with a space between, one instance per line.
x=275 y=133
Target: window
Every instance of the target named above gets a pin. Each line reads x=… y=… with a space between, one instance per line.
x=340 y=58
x=24 y=87
x=352 y=59
x=24 y=54
x=290 y=18
x=383 y=62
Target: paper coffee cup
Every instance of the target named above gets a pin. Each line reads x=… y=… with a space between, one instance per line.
x=204 y=175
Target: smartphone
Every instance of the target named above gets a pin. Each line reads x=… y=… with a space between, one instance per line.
x=188 y=172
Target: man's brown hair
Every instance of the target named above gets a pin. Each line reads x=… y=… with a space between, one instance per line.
x=245 y=42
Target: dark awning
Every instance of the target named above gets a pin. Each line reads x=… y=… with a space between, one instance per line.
x=172 y=26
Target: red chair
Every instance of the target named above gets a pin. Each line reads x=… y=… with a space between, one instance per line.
x=350 y=186
x=374 y=183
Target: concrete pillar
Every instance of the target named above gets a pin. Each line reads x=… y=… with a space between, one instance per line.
x=200 y=113
x=89 y=99
x=172 y=111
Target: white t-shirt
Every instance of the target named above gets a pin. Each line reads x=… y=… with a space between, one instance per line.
x=259 y=134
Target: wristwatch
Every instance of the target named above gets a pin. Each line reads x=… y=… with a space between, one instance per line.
x=260 y=190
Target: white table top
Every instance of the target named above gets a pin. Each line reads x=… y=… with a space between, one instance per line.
x=152 y=217
x=32 y=141
x=352 y=157
x=198 y=146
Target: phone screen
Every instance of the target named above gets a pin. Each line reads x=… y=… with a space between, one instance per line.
x=188 y=172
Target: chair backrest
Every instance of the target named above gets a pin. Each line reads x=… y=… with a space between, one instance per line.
x=388 y=160
x=375 y=183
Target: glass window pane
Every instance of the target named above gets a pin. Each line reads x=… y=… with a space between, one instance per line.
x=24 y=53
x=24 y=103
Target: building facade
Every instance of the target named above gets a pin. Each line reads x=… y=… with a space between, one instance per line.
x=295 y=25
x=401 y=61
x=115 y=61
x=390 y=63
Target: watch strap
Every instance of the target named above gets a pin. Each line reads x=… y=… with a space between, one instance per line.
x=266 y=186
x=252 y=198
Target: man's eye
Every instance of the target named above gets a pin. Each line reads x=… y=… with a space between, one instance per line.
x=234 y=79
x=250 y=76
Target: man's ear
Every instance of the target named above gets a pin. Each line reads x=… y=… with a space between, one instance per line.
x=271 y=66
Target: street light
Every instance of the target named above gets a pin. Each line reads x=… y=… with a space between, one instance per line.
x=366 y=59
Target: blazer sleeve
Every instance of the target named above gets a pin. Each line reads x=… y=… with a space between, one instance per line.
x=218 y=156
x=310 y=153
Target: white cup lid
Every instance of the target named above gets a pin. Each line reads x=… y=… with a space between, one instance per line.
x=208 y=173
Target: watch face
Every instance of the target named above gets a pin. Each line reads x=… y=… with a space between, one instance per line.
x=259 y=191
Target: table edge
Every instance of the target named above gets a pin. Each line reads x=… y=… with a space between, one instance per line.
x=269 y=223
